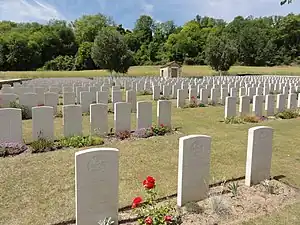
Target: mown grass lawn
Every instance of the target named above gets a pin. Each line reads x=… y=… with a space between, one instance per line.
x=39 y=189
x=154 y=71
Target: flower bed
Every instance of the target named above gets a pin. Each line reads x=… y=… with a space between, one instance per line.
x=245 y=119
x=159 y=130
x=227 y=203
x=12 y=149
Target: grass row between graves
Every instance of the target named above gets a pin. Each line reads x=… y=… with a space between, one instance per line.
x=154 y=70
x=39 y=189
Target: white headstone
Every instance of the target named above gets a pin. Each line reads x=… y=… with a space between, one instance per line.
x=230 y=107
x=69 y=98
x=6 y=99
x=102 y=97
x=259 y=154
x=164 y=113
x=11 y=125
x=144 y=115
x=180 y=98
x=51 y=99
x=72 y=120
x=269 y=106
x=193 y=168
x=122 y=117
x=258 y=105
x=86 y=98
x=42 y=123
x=98 y=119
x=96 y=185
x=244 y=107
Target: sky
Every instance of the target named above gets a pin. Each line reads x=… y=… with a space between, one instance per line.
x=127 y=11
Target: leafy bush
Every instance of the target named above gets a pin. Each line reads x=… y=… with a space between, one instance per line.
x=42 y=145
x=287 y=114
x=81 y=141
x=160 y=130
x=24 y=109
x=244 y=119
x=251 y=119
x=12 y=148
x=234 y=120
x=152 y=213
x=60 y=63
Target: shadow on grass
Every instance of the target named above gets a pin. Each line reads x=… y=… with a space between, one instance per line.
x=126 y=208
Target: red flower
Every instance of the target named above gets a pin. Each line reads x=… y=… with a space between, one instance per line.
x=136 y=202
x=148 y=220
x=168 y=219
x=193 y=97
x=149 y=183
x=161 y=125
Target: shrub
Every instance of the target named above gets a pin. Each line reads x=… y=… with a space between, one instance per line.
x=251 y=119
x=234 y=120
x=150 y=212
x=24 y=109
x=287 y=114
x=42 y=145
x=244 y=119
x=81 y=141
x=12 y=148
x=60 y=63
x=123 y=135
x=160 y=130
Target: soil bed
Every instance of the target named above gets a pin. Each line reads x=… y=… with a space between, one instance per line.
x=222 y=207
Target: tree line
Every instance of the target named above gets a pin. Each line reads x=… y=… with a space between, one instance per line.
x=97 y=42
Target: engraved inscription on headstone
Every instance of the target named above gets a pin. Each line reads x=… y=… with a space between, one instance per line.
x=96 y=164
x=197 y=148
x=263 y=134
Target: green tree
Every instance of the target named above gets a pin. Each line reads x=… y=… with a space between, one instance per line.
x=221 y=52
x=87 y=27
x=109 y=50
x=83 y=59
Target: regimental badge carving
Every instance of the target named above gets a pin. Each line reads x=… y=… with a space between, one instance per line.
x=263 y=134
x=197 y=148
x=96 y=164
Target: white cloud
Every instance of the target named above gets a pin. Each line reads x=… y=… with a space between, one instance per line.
x=147 y=8
x=26 y=10
x=228 y=9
